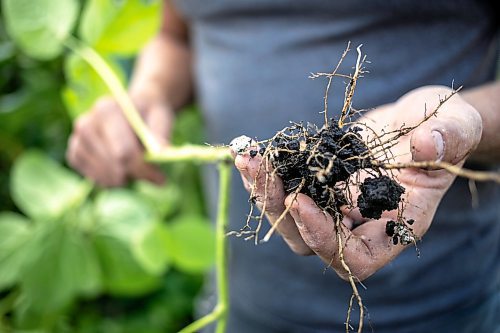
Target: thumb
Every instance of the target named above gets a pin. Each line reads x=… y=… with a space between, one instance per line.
x=450 y=137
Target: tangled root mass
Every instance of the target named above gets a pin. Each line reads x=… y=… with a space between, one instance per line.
x=320 y=162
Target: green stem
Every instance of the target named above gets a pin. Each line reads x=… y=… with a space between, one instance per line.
x=154 y=152
x=115 y=86
x=203 y=321
x=220 y=311
x=193 y=153
x=221 y=243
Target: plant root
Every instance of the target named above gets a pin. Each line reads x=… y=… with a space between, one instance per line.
x=327 y=163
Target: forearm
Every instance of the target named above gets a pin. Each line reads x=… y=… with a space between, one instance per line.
x=486 y=100
x=163 y=69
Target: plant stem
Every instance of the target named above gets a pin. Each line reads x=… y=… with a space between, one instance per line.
x=193 y=153
x=220 y=311
x=119 y=93
x=221 y=244
x=203 y=321
x=154 y=152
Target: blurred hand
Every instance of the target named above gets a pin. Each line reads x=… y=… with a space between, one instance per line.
x=450 y=136
x=104 y=148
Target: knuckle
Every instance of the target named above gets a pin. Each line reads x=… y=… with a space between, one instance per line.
x=83 y=125
x=315 y=246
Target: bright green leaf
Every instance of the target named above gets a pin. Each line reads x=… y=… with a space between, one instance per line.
x=43 y=189
x=63 y=265
x=122 y=214
x=151 y=249
x=40 y=27
x=123 y=276
x=84 y=85
x=192 y=243
x=165 y=199
x=79 y=264
x=129 y=225
x=119 y=27
x=15 y=232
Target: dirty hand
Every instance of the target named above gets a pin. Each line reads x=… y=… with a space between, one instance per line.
x=450 y=137
x=104 y=148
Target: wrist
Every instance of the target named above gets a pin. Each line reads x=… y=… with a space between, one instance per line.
x=149 y=92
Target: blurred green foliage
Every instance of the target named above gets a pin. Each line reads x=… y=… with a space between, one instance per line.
x=74 y=257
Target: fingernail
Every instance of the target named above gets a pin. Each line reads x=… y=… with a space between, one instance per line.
x=240 y=144
x=439 y=144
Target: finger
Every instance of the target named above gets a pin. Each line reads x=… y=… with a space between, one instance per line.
x=365 y=249
x=450 y=137
x=270 y=196
x=246 y=184
x=87 y=149
x=116 y=132
x=85 y=162
x=267 y=186
x=123 y=144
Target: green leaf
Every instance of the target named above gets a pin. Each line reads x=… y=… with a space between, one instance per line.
x=40 y=27
x=122 y=214
x=84 y=85
x=63 y=265
x=119 y=27
x=150 y=249
x=164 y=199
x=15 y=232
x=192 y=243
x=42 y=189
x=123 y=275
x=132 y=242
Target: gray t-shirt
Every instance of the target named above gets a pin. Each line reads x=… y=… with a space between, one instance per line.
x=252 y=59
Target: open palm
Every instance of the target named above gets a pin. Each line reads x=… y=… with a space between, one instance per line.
x=449 y=136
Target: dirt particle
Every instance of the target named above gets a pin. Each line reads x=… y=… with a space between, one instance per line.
x=400 y=233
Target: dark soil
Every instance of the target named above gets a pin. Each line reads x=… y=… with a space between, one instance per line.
x=377 y=195
x=321 y=161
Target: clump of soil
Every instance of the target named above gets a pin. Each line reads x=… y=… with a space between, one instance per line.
x=377 y=195
x=319 y=161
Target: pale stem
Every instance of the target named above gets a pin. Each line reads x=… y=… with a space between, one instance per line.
x=117 y=90
x=156 y=153
x=221 y=244
x=220 y=311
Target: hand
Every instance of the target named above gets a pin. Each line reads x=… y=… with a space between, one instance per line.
x=104 y=147
x=450 y=136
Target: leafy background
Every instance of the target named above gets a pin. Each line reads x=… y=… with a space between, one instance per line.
x=75 y=257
